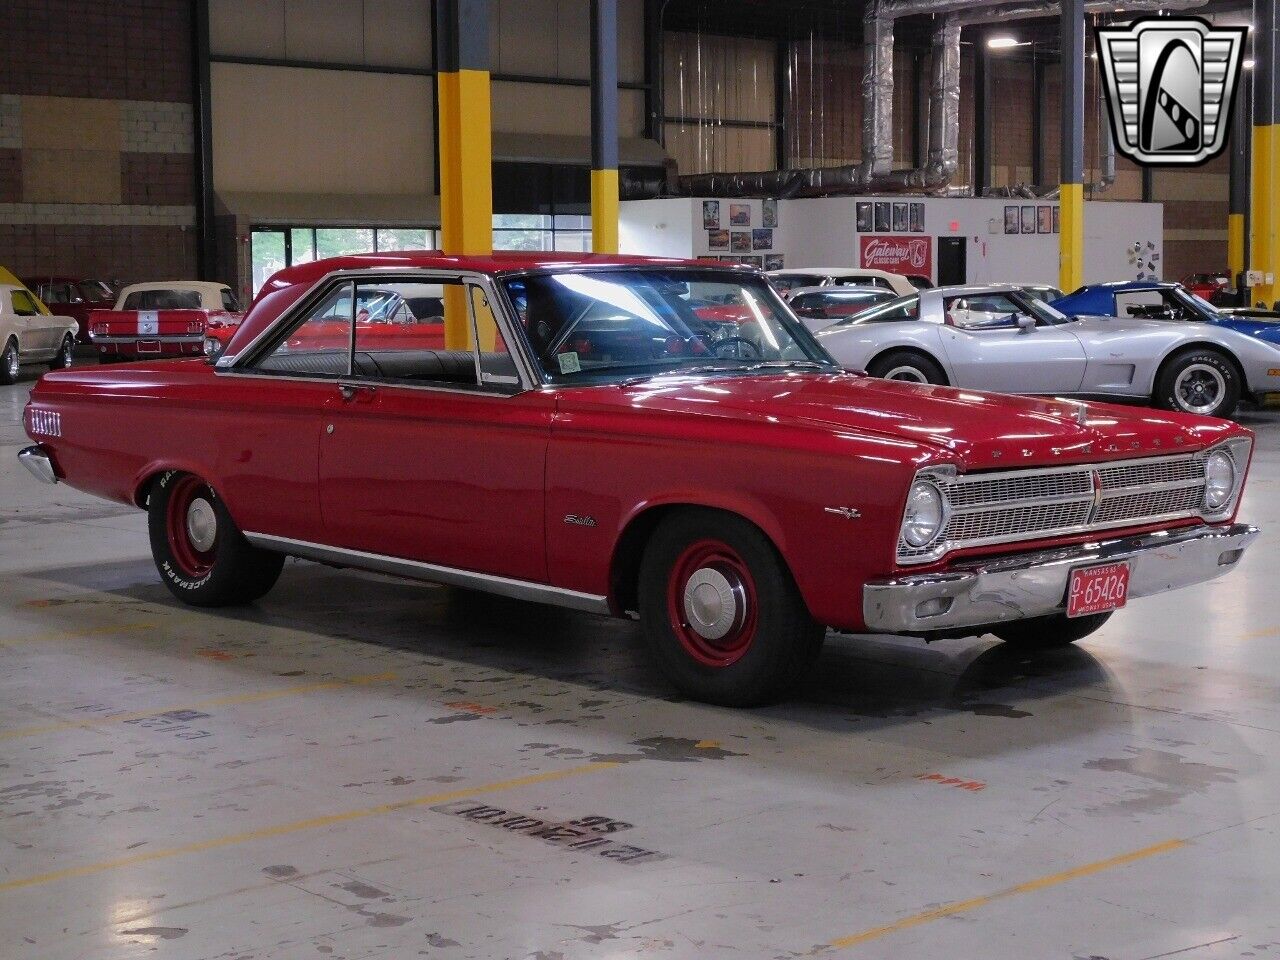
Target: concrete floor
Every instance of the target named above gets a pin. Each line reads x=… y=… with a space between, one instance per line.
x=318 y=775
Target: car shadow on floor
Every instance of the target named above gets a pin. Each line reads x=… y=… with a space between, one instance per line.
x=860 y=683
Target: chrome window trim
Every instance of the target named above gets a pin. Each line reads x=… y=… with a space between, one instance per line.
x=435 y=573
x=1239 y=448
x=516 y=345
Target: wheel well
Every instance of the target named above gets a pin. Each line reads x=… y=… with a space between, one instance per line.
x=917 y=351
x=1192 y=348
x=143 y=492
x=624 y=572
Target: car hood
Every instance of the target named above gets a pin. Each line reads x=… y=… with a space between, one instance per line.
x=1260 y=328
x=980 y=430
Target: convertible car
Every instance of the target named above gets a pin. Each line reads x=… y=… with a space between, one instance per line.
x=1002 y=338
x=585 y=438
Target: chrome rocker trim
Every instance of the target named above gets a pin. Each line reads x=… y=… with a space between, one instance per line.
x=36 y=460
x=986 y=592
x=432 y=573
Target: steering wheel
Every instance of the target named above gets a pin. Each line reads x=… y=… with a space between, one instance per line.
x=739 y=343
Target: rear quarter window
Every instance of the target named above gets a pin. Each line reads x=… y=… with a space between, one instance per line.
x=162 y=300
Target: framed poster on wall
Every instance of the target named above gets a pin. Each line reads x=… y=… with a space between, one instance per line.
x=710 y=214
x=769 y=212
x=1028 y=219
x=1010 y=219
x=761 y=239
x=740 y=241
x=915 y=218
x=899 y=218
x=1057 y=219
x=1044 y=219
x=865 y=218
x=739 y=214
x=717 y=239
x=884 y=216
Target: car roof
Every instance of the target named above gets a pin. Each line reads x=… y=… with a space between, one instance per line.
x=1131 y=285
x=842 y=291
x=498 y=262
x=201 y=285
x=834 y=272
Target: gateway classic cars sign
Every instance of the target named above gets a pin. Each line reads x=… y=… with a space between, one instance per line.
x=897 y=254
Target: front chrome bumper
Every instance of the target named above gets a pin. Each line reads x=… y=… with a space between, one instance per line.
x=35 y=459
x=986 y=592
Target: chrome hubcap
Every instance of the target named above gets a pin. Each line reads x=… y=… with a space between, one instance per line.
x=1199 y=388
x=12 y=361
x=714 y=605
x=910 y=374
x=202 y=524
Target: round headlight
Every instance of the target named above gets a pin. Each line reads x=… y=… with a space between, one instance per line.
x=1219 y=479
x=922 y=520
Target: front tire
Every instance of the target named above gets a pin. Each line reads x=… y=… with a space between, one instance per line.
x=66 y=354
x=720 y=612
x=1199 y=381
x=9 y=363
x=906 y=365
x=201 y=554
x=1051 y=632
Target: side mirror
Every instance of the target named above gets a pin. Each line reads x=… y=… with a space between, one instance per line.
x=1026 y=324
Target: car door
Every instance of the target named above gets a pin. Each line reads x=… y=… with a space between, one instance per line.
x=437 y=456
x=989 y=350
x=36 y=331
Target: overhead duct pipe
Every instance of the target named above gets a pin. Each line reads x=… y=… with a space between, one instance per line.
x=875 y=173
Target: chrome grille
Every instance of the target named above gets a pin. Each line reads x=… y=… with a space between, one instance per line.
x=991 y=508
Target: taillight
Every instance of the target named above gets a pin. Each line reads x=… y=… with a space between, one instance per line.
x=100 y=328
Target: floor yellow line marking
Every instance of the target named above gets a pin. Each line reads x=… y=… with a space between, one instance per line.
x=964 y=906
x=60 y=635
x=225 y=701
x=296 y=826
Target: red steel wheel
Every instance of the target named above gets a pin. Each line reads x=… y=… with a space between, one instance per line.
x=711 y=602
x=191 y=524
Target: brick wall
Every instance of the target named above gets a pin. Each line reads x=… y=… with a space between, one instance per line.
x=97 y=174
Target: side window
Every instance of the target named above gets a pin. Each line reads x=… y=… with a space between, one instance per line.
x=497 y=366
x=1139 y=303
x=982 y=311
x=53 y=293
x=229 y=301
x=23 y=305
x=320 y=344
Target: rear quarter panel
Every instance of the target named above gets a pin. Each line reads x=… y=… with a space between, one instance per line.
x=121 y=426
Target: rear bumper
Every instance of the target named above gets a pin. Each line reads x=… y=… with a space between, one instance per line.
x=1035 y=584
x=39 y=463
x=191 y=344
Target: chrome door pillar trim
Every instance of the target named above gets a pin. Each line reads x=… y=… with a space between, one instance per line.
x=433 y=573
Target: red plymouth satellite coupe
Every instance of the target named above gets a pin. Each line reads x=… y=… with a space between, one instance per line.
x=578 y=435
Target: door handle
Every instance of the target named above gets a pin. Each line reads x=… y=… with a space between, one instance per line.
x=349 y=390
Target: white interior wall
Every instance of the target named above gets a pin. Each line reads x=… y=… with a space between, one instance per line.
x=657 y=228
x=823 y=232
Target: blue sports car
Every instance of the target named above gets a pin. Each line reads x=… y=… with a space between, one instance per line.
x=1162 y=300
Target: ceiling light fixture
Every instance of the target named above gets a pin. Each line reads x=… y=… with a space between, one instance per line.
x=1001 y=43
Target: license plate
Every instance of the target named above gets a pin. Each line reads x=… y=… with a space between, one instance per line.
x=1097 y=589
x=148 y=346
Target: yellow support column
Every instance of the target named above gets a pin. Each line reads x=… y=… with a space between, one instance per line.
x=604 y=211
x=604 y=126
x=1263 y=252
x=466 y=146
x=1071 y=239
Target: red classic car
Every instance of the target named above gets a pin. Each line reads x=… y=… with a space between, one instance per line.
x=172 y=318
x=585 y=438
x=74 y=298
x=1214 y=287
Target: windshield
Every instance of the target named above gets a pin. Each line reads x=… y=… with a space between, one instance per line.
x=1199 y=303
x=603 y=325
x=786 y=282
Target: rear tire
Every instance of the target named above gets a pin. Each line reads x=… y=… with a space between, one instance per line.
x=1203 y=382
x=9 y=363
x=201 y=554
x=720 y=612
x=1048 y=633
x=66 y=354
x=906 y=365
